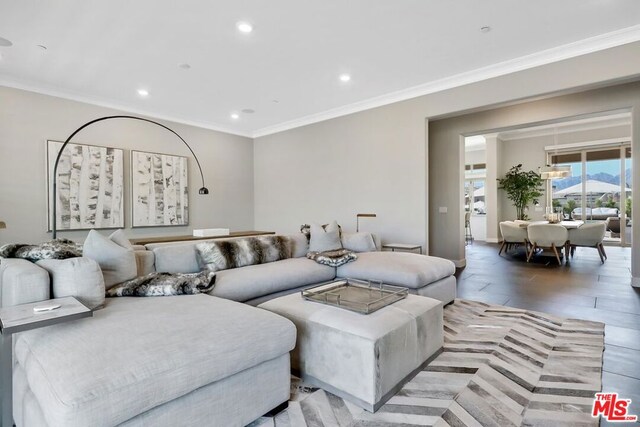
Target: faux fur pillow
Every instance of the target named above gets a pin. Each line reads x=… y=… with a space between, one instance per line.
x=165 y=284
x=55 y=249
x=225 y=254
x=333 y=258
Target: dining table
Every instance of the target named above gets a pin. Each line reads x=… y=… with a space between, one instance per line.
x=566 y=224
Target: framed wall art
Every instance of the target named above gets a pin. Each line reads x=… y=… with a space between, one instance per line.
x=90 y=185
x=159 y=189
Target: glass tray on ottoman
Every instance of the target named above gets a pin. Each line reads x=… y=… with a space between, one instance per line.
x=356 y=295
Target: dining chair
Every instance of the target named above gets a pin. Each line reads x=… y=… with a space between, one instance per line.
x=547 y=236
x=512 y=234
x=589 y=236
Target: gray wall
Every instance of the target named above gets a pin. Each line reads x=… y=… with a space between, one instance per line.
x=27 y=120
x=444 y=136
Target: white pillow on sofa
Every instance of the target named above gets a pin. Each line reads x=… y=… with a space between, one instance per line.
x=76 y=277
x=325 y=239
x=358 y=242
x=118 y=263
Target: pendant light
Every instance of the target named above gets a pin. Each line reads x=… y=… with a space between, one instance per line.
x=555 y=171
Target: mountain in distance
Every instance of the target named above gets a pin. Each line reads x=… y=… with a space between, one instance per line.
x=560 y=184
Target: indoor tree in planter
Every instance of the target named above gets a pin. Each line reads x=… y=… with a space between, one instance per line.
x=522 y=188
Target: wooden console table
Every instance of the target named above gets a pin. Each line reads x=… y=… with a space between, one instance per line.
x=165 y=239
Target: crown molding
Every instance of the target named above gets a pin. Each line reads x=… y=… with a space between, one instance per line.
x=548 y=56
x=4 y=81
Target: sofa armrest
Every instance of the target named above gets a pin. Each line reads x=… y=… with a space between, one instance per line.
x=22 y=282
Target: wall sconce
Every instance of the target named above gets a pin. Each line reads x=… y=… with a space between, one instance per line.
x=363 y=215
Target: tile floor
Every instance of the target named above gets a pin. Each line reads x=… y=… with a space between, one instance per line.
x=584 y=289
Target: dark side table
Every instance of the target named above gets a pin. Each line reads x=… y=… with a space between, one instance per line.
x=20 y=318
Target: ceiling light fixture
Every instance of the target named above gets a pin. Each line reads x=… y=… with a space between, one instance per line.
x=5 y=42
x=143 y=92
x=344 y=77
x=185 y=66
x=235 y=116
x=244 y=27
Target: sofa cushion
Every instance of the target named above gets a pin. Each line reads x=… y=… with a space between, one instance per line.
x=299 y=245
x=178 y=258
x=358 y=242
x=242 y=284
x=398 y=268
x=76 y=277
x=118 y=263
x=139 y=353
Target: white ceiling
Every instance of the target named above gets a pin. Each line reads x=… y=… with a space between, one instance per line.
x=103 y=51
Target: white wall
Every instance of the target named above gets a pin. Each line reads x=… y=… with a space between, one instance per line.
x=27 y=120
x=375 y=160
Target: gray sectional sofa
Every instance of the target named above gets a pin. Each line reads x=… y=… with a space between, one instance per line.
x=185 y=360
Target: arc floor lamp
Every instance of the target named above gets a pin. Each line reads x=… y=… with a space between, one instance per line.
x=203 y=189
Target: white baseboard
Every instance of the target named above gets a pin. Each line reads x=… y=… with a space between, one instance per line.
x=635 y=282
x=492 y=240
x=460 y=263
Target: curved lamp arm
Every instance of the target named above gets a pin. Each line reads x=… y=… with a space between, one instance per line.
x=203 y=189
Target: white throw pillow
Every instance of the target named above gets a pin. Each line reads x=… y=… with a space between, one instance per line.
x=118 y=263
x=325 y=239
x=299 y=245
x=76 y=277
x=358 y=242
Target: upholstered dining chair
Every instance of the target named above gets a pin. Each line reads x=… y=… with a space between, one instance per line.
x=590 y=236
x=547 y=236
x=512 y=235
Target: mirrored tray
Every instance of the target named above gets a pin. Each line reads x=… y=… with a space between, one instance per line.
x=356 y=295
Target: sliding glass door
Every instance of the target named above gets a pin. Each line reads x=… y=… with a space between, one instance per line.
x=598 y=190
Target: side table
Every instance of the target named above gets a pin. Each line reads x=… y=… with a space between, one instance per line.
x=20 y=318
x=402 y=247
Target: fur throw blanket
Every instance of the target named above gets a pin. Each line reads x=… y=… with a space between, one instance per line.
x=165 y=284
x=226 y=254
x=333 y=258
x=55 y=249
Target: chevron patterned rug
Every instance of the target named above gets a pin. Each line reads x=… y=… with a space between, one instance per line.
x=500 y=367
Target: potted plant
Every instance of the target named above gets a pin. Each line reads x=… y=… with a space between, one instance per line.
x=522 y=188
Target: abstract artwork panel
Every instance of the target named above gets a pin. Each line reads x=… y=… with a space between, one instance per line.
x=159 y=189
x=90 y=181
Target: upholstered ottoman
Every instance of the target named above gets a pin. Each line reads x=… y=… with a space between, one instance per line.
x=362 y=358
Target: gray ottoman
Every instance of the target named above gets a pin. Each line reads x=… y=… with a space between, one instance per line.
x=362 y=358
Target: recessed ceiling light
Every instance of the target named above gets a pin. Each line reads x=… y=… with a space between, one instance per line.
x=5 y=42
x=275 y=101
x=143 y=92
x=248 y=111
x=344 y=77
x=244 y=27
x=185 y=66
x=485 y=29
x=235 y=116
x=41 y=46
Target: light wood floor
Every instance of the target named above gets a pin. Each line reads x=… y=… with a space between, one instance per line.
x=584 y=289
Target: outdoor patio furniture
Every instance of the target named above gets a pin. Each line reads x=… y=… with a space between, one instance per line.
x=595 y=213
x=547 y=236
x=512 y=235
x=590 y=236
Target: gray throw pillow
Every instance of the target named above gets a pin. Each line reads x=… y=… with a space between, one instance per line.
x=358 y=242
x=325 y=239
x=165 y=284
x=333 y=258
x=299 y=245
x=118 y=264
x=76 y=277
